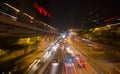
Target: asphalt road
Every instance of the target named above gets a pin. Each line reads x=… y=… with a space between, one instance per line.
x=80 y=65
x=76 y=67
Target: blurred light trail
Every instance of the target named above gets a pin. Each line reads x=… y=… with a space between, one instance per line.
x=12 y=7
x=110 y=19
x=28 y=15
x=66 y=69
x=75 y=72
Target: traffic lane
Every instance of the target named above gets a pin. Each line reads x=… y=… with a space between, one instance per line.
x=74 y=68
x=39 y=67
x=47 y=57
x=53 y=69
x=86 y=49
x=69 y=69
x=60 y=56
x=82 y=60
x=38 y=63
x=34 y=66
x=77 y=68
x=83 y=65
x=84 y=69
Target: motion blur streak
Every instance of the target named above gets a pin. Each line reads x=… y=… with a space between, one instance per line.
x=54 y=69
x=78 y=62
x=75 y=72
x=88 y=68
x=83 y=70
x=66 y=69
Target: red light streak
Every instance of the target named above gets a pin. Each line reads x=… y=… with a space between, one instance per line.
x=75 y=72
x=88 y=68
x=66 y=69
x=110 y=19
x=41 y=10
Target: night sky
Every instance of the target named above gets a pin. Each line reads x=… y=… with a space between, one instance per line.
x=70 y=13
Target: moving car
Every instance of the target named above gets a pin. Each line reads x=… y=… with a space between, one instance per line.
x=55 y=61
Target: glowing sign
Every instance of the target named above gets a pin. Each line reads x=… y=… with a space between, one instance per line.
x=41 y=10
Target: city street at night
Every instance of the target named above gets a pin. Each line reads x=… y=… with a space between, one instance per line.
x=59 y=37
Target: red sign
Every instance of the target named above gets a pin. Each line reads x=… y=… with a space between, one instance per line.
x=41 y=10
